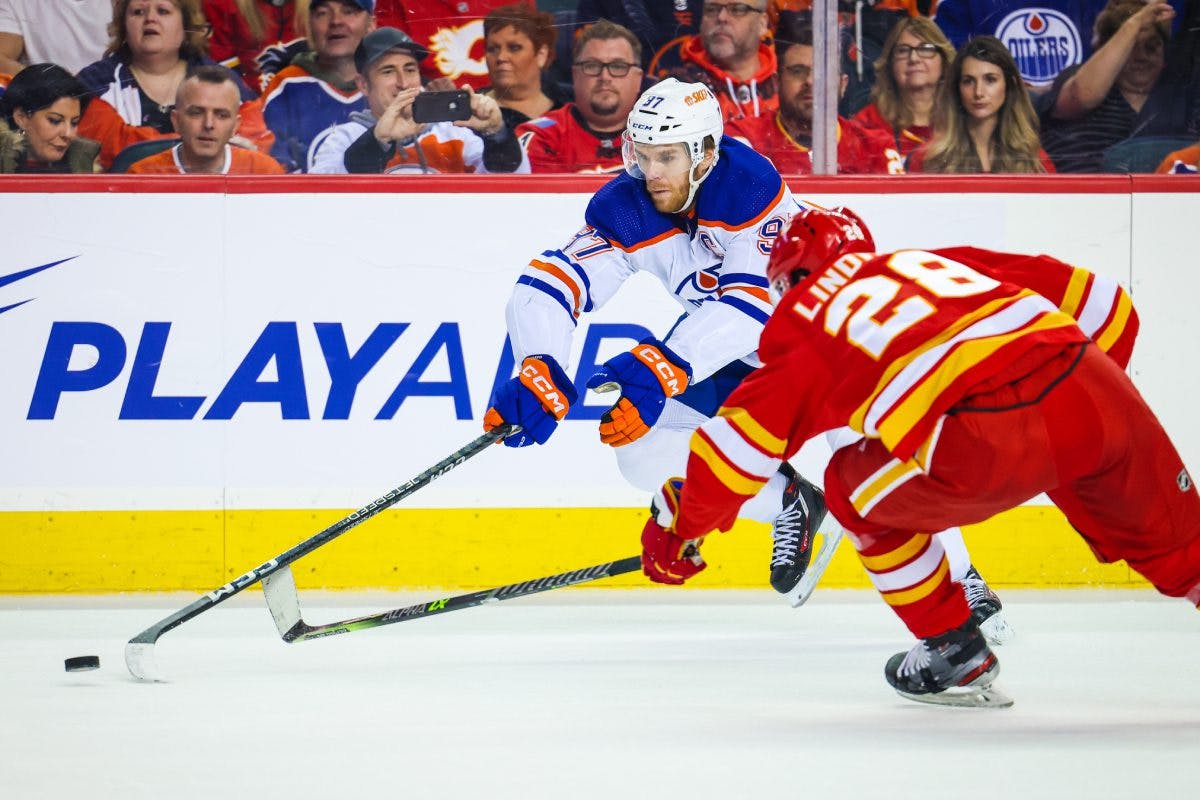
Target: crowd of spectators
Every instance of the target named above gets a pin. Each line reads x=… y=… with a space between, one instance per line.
x=329 y=86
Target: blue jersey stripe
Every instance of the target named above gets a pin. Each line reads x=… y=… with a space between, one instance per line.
x=542 y=286
x=743 y=278
x=746 y=308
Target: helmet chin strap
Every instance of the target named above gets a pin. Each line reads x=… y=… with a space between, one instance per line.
x=694 y=185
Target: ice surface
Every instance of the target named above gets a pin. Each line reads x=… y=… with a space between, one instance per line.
x=593 y=694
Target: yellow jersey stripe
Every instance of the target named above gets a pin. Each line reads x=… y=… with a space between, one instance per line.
x=1075 y=287
x=753 y=431
x=1115 y=328
x=735 y=481
x=903 y=417
x=921 y=590
x=905 y=552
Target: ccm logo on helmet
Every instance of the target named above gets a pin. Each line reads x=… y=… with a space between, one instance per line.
x=552 y=399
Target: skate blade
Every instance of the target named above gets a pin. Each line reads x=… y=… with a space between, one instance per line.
x=830 y=539
x=996 y=629
x=967 y=697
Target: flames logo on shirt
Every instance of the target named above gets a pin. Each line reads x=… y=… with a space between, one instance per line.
x=1043 y=41
x=451 y=48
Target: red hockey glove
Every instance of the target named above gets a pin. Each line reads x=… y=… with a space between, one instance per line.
x=666 y=558
x=648 y=374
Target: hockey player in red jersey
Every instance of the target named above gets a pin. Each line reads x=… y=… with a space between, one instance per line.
x=979 y=379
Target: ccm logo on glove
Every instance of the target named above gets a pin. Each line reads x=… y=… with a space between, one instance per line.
x=535 y=376
x=673 y=379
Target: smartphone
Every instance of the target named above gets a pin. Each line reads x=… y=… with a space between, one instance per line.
x=441 y=106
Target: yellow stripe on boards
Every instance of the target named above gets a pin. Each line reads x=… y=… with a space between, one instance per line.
x=465 y=549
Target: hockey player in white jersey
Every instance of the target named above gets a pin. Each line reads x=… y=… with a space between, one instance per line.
x=699 y=211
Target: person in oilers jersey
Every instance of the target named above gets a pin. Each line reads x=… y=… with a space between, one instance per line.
x=977 y=380
x=699 y=212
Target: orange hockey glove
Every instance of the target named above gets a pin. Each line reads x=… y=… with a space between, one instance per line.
x=648 y=374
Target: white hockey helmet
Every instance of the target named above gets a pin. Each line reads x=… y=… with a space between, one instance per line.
x=672 y=112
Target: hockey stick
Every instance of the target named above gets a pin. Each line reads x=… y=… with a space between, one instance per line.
x=139 y=652
x=830 y=539
x=284 y=601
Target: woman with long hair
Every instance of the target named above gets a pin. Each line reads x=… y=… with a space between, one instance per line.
x=255 y=38
x=908 y=76
x=133 y=88
x=39 y=123
x=518 y=46
x=985 y=121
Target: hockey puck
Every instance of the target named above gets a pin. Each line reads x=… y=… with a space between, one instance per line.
x=82 y=663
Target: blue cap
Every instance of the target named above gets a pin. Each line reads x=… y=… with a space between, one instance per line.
x=366 y=5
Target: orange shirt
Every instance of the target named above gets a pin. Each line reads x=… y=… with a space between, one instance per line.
x=238 y=161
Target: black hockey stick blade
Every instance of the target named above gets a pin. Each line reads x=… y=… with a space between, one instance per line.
x=284 y=601
x=139 y=652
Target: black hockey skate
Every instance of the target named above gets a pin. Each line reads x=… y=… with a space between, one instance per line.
x=954 y=669
x=986 y=609
x=803 y=511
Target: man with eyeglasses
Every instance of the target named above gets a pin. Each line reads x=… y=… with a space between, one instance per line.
x=731 y=57
x=585 y=136
x=785 y=137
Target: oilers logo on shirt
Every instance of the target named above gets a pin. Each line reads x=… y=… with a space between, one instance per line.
x=701 y=286
x=1043 y=41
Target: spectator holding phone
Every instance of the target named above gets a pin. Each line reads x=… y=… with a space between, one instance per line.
x=469 y=134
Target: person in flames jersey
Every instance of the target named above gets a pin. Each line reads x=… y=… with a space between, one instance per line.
x=699 y=211
x=978 y=380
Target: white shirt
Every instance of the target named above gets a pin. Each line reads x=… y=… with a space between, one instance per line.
x=70 y=33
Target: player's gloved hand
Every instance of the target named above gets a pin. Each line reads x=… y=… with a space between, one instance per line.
x=536 y=399
x=666 y=558
x=648 y=374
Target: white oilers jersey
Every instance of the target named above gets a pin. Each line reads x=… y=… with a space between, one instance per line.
x=713 y=263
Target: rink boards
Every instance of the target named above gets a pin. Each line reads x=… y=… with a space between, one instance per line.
x=194 y=381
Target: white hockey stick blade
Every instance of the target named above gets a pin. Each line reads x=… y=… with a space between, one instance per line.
x=830 y=539
x=283 y=600
x=140 y=660
x=973 y=697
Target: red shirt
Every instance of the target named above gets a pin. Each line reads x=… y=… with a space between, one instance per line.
x=233 y=45
x=452 y=31
x=906 y=140
x=560 y=141
x=860 y=151
x=886 y=343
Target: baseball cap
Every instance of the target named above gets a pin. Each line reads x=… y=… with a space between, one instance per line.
x=366 y=5
x=380 y=42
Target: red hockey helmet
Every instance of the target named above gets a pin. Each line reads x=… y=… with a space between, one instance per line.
x=814 y=238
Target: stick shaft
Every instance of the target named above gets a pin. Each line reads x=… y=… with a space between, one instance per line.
x=219 y=595
x=302 y=631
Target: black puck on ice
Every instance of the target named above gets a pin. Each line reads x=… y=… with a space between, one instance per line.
x=82 y=663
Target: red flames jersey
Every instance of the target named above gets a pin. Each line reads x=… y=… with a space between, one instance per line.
x=886 y=344
x=560 y=141
x=861 y=151
x=452 y=31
